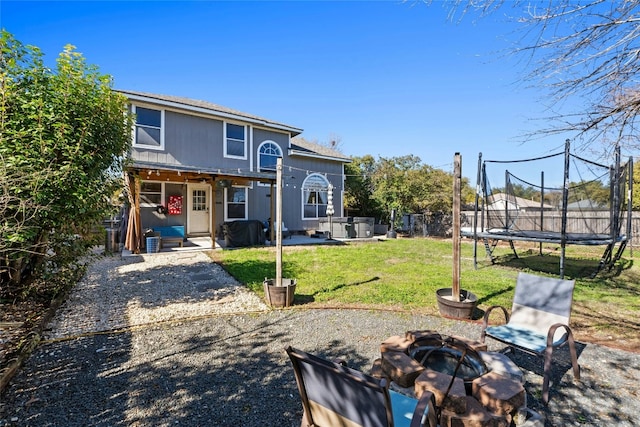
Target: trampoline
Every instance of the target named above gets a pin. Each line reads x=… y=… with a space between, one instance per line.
x=588 y=210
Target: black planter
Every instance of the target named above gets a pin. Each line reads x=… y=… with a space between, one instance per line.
x=462 y=309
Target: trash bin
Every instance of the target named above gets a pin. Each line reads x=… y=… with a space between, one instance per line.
x=112 y=240
x=153 y=244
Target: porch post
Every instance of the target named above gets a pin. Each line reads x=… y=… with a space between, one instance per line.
x=279 y=223
x=132 y=241
x=212 y=202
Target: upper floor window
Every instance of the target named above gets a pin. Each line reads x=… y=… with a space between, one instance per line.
x=268 y=155
x=235 y=141
x=314 y=196
x=149 y=128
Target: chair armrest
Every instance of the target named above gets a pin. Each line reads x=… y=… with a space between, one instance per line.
x=425 y=412
x=340 y=361
x=485 y=319
x=552 y=333
x=572 y=348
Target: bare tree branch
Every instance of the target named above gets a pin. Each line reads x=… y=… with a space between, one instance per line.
x=587 y=55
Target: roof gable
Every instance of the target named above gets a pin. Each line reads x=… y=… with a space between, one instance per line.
x=501 y=198
x=303 y=147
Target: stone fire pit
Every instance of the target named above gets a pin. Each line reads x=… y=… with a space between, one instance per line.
x=487 y=389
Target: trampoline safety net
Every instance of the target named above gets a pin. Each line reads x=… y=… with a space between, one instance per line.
x=587 y=207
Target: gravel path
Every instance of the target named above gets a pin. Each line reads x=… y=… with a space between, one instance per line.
x=171 y=339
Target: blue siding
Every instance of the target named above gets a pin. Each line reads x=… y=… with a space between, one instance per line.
x=194 y=141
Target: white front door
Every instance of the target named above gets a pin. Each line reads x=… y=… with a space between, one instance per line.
x=198 y=219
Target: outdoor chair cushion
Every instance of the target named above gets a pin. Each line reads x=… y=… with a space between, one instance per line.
x=523 y=337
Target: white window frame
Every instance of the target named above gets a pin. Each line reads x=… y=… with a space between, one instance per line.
x=304 y=200
x=162 y=129
x=200 y=191
x=246 y=203
x=262 y=144
x=245 y=141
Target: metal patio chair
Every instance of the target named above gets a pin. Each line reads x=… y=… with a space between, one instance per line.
x=334 y=395
x=539 y=321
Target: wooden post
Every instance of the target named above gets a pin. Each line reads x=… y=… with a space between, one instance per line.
x=279 y=222
x=212 y=203
x=272 y=232
x=629 y=202
x=457 y=177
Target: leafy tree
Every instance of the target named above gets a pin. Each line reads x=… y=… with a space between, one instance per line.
x=636 y=186
x=359 y=187
x=595 y=191
x=63 y=134
x=394 y=185
x=519 y=190
x=403 y=184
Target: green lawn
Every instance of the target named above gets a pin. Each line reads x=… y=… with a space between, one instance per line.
x=405 y=274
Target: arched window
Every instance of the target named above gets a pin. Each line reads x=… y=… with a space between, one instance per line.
x=268 y=153
x=314 y=196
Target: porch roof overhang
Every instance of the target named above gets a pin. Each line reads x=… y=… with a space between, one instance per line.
x=174 y=173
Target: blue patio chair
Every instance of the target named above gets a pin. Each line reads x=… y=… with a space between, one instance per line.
x=539 y=321
x=334 y=395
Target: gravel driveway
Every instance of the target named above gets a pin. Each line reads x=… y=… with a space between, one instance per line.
x=171 y=339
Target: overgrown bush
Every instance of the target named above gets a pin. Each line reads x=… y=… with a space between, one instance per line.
x=63 y=136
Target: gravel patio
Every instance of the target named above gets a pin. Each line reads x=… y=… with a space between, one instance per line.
x=171 y=339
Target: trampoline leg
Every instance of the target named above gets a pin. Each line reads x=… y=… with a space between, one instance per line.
x=605 y=260
x=513 y=248
x=615 y=259
x=489 y=249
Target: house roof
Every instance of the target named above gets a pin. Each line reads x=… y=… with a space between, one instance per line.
x=519 y=201
x=302 y=147
x=206 y=108
x=587 y=204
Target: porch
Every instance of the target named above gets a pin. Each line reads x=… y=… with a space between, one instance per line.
x=204 y=243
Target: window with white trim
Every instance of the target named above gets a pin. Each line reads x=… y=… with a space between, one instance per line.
x=235 y=203
x=268 y=154
x=149 y=128
x=235 y=141
x=314 y=196
x=199 y=200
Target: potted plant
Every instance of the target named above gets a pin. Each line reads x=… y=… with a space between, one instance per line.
x=455 y=302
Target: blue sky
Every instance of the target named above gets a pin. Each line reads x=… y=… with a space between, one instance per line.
x=385 y=78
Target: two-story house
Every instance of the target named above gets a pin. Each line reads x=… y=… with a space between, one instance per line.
x=197 y=165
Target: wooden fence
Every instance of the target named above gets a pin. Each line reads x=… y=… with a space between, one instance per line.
x=577 y=222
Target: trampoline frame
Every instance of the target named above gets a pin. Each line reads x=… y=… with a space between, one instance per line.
x=610 y=256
